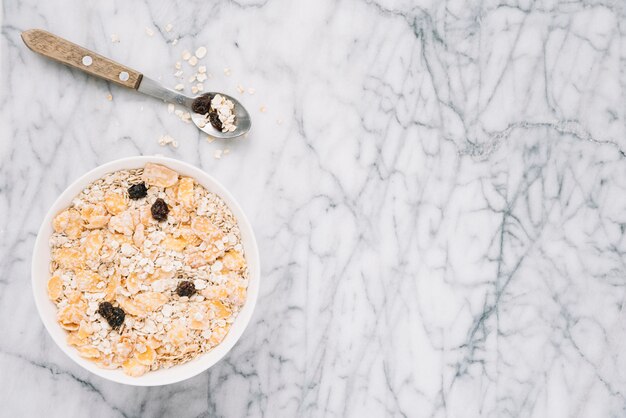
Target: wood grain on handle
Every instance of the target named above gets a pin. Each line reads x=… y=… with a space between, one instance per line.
x=71 y=54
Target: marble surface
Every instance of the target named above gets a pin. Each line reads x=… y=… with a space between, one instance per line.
x=437 y=190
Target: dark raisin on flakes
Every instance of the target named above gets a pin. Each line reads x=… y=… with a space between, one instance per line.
x=137 y=191
x=202 y=104
x=159 y=210
x=113 y=315
x=215 y=120
x=185 y=288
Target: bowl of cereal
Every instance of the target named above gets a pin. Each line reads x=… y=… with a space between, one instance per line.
x=145 y=271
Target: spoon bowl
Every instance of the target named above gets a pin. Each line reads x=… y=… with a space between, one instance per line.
x=242 y=117
x=242 y=121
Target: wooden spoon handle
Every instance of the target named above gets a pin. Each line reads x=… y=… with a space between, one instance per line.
x=76 y=56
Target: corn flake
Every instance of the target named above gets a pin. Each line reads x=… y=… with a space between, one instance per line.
x=158 y=175
x=115 y=202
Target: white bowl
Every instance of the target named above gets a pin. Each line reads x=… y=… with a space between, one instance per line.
x=47 y=309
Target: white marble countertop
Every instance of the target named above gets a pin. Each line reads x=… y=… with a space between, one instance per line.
x=437 y=190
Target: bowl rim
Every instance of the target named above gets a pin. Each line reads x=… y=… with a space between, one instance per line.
x=162 y=376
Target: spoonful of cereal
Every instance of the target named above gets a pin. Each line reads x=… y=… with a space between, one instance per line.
x=217 y=114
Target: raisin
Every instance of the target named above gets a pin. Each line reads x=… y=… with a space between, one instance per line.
x=137 y=191
x=159 y=210
x=200 y=108
x=185 y=288
x=202 y=104
x=117 y=318
x=113 y=315
x=215 y=120
x=105 y=309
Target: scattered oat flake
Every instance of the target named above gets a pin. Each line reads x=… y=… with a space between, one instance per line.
x=149 y=31
x=194 y=89
x=227 y=151
x=227 y=72
x=251 y=90
x=192 y=78
x=201 y=52
x=179 y=87
x=168 y=140
x=218 y=154
x=178 y=65
x=202 y=69
x=193 y=61
x=115 y=38
x=201 y=77
x=168 y=27
x=263 y=109
x=240 y=89
x=200 y=87
x=210 y=139
x=175 y=41
x=186 y=55
x=178 y=74
x=109 y=97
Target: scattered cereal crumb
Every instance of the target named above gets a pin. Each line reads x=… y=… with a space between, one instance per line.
x=263 y=109
x=149 y=31
x=179 y=87
x=227 y=151
x=192 y=78
x=178 y=65
x=251 y=90
x=193 y=61
x=218 y=154
x=170 y=108
x=194 y=89
x=240 y=89
x=115 y=38
x=201 y=52
x=200 y=87
x=201 y=77
x=202 y=69
x=227 y=72
x=186 y=55
x=210 y=139
x=175 y=41
x=178 y=74
x=109 y=97
x=168 y=140
x=168 y=27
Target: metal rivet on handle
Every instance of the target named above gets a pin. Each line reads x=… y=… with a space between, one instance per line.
x=124 y=76
x=87 y=60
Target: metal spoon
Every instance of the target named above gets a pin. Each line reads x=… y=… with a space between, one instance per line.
x=66 y=52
